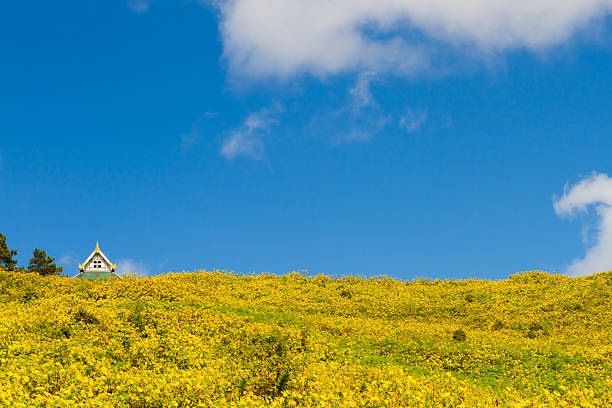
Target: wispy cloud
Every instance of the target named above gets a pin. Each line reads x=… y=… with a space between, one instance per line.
x=593 y=191
x=288 y=37
x=247 y=139
x=129 y=266
x=359 y=118
x=190 y=139
x=139 y=6
x=412 y=120
x=361 y=93
x=66 y=260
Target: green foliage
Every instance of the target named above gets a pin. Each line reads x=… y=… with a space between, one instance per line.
x=534 y=330
x=137 y=318
x=271 y=358
x=497 y=325
x=53 y=330
x=459 y=335
x=283 y=382
x=42 y=264
x=85 y=316
x=28 y=295
x=7 y=262
x=345 y=293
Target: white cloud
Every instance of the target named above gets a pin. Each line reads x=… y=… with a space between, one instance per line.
x=247 y=140
x=413 y=120
x=596 y=191
x=129 y=266
x=285 y=37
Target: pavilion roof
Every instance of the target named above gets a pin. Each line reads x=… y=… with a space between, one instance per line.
x=97 y=251
x=93 y=275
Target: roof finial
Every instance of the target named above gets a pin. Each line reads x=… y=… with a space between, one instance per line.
x=97 y=246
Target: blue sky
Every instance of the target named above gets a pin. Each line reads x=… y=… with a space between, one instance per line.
x=335 y=137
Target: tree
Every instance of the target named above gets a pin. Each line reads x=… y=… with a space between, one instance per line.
x=7 y=262
x=42 y=264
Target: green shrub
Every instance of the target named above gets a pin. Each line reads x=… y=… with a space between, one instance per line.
x=459 y=335
x=53 y=330
x=497 y=325
x=137 y=318
x=534 y=329
x=85 y=316
x=345 y=293
x=28 y=295
x=283 y=381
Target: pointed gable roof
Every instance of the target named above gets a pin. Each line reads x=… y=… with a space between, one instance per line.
x=99 y=252
x=97 y=274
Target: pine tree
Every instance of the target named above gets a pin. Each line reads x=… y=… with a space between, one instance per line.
x=7 y=262
x=42 y=264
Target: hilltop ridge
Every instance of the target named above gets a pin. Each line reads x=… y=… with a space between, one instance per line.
x=220 y=339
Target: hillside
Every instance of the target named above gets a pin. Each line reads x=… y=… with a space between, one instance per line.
x=215 y=339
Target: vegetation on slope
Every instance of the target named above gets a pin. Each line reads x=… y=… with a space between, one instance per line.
x=215 y=339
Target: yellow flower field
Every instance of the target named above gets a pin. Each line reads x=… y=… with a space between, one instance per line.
x=215 y=339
